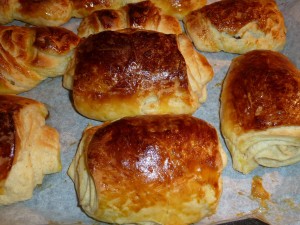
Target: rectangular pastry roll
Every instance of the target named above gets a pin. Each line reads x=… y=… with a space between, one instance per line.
x=260 y=111
x=29 y=55
x=29 y=148
x=135 y=72
x=237 y=26
x=142 y=15
x=149 y=169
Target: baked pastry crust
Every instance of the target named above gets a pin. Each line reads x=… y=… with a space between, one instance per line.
x=29 y=149
x=260 y=111
x=135 y=72
x=29 y=55
x=160 y=168
x=142 y=15
x=36 y=12
x=58 y=12
x=177 y=8
x=237 y=26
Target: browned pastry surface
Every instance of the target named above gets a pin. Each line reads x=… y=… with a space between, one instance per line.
x=231 y=15
x=160 y=168
x=29 y=149
x=58 y=12
x=36 y=12
x=264 y=91
x=142 y=15
x=31 y=54
x=133 y=72
x=83 y=8
x=260 y=110
x=113 y=64
x=177 y=8
x=237 y=26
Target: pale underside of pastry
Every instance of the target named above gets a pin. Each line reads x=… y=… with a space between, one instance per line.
x=260 y=111
x=29 y=55
x=237 y=26
x=135 y=72
x=142 y=15
x=58 y=12
x=29 y=149
x=149 y=169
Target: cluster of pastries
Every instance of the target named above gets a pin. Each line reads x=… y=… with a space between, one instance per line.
x=58 y=12
x=132 y=65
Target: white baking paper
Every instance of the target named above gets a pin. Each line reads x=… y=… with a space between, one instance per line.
x=54 y=202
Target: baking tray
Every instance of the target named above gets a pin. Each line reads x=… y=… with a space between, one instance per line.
x=54 y=202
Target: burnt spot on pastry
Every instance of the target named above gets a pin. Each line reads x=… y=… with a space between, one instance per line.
x=7 y=143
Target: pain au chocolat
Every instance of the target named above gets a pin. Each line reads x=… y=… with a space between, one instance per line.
x=142 y=15
x=237 y=26
x=260 y=111
x=29 y=148
x=163 y=169
x=29 y=55
x=58 y=12
x=135 y=72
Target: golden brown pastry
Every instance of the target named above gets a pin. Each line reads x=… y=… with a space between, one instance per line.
x=28 y=55
x=58 y=12
x=29 y=149
x=133 y=72
x=260 y=111
x=177 y=8
x=36 y=12
x=159 y=168
x=237 y=26
x=142 y=15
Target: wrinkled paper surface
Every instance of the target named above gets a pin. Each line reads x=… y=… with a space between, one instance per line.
x=55 y=202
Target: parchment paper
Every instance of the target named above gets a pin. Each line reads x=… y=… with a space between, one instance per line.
x=55 y=202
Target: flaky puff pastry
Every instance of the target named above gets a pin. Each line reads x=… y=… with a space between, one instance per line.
x=135 y=72
x=237 y=26
x=29 y=55
x=142 y=15
x=58 y=12
x=29 y=148
x=260 y=111
x=159 y=168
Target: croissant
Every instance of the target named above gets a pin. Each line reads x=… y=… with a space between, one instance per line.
x=260 y=111
x=29 y=149
x=142 y=15
x=28 y=55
